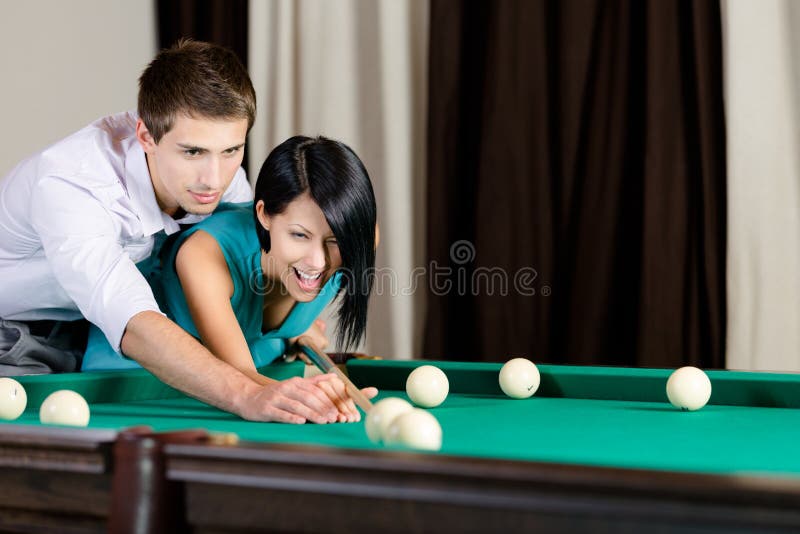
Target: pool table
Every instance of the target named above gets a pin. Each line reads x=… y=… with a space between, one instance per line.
x=597 y=449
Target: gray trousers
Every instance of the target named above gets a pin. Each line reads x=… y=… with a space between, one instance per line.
x=40 y=347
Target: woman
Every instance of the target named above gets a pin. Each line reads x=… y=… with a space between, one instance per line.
x=250 y=279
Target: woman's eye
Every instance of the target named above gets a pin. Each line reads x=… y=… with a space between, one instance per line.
x=298 y=235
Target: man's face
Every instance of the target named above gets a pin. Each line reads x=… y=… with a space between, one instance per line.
x=193 y=163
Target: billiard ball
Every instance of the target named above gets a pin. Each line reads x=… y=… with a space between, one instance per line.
x=416 y=429
x=13 y=399
x=688 y=388
x=64 y=407
x=519 y=378
x=427 y=386
x=381 y=415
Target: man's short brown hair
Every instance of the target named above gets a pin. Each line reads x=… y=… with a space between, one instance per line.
x=198 y=79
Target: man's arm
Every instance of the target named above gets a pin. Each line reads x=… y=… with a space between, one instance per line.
x=179 y=360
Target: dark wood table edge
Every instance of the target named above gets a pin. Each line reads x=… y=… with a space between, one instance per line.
x=741 y=501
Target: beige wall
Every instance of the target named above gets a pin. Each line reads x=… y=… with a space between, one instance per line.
x=64 y=64
x=762 y=98
x=356 y=70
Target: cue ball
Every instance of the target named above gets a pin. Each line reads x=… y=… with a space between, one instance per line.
x=381 y=415
x=13 y=399
x=417 y=429
x=427 y=386
x=519 y=378
x=64 y=407
x=688 y=388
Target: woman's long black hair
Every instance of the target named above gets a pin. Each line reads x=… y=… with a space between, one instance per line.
x=338 y=182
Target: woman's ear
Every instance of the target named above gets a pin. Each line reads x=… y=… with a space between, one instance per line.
x=377 y=235
x=263 y=218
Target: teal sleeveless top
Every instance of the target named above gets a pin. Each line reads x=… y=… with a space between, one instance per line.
x=233 y=227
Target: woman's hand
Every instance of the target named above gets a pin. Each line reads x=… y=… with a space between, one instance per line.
x=332 y=386
x=335 y=390
x=317 y=334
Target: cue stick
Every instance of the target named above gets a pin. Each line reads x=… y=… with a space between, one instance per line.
x=326 y=365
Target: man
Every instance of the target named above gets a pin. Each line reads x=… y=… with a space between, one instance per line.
x=76 y=219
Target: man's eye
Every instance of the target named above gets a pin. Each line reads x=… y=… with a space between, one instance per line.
x=191 y=152
x=233 y=150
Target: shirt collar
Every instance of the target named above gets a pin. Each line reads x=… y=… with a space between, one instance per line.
x=140 y=188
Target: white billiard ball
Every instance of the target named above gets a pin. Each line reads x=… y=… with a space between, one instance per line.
x=427 y=386
x=417 y=429
x=381 y=415
x=13 y=399
x=519 y=378
x=64 y=407
x=688 y=388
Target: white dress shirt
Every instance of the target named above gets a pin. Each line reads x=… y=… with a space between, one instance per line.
x=75 y=219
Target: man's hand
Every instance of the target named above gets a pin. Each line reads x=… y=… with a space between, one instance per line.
x=320 y=399
x=295 y=400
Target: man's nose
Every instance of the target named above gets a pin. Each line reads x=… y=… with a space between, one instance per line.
x=212 y=174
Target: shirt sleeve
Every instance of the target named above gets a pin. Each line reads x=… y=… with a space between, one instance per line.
x=240 y=189
x=81 y=242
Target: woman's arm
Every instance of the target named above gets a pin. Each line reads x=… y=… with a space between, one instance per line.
x=207 y=285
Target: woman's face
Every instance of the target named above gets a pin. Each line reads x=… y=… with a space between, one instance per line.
x=303 y=253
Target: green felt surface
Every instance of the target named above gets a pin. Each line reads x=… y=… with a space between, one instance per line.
x=595 y=416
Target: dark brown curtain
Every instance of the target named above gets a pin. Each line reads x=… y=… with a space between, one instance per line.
x=223 y=22
x=578 y=146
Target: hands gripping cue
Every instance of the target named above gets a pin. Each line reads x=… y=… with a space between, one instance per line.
x=326 y=365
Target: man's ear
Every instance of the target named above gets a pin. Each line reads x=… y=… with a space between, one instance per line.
x=143 y=136
x=263 y=218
